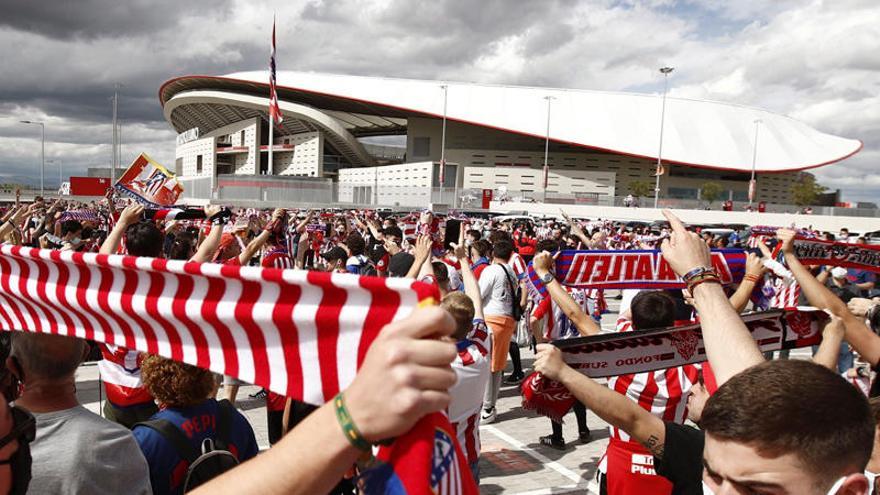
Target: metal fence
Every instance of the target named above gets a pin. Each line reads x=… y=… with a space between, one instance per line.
x=268 y=191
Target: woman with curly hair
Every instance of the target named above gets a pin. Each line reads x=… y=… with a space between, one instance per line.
x=184 y=394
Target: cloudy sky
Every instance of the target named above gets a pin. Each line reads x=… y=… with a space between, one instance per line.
x=816 y=61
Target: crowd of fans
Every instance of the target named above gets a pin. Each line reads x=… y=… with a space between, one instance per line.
x=765 y=425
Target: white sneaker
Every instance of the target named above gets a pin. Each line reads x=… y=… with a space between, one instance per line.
x=488 y=416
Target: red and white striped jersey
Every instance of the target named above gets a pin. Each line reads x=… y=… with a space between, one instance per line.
x=277 y=258
x=556 y=324
x=663 y=393
x=518 y=265
x=786 y=295
x=121 y=372
x=471 y=367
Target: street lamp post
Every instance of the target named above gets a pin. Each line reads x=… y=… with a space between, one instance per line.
x=665 y=71
x=42 y=151
x=442 y=174
x=547 y=146
x=60 y=178
x=753 y=186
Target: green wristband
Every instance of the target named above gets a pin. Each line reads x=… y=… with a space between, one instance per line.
x=348 y=427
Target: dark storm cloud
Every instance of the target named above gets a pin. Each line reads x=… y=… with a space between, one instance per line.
x=66 y=19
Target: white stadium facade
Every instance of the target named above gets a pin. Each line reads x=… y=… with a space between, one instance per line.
x=599 y=142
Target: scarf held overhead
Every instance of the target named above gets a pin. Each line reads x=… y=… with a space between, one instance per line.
x=813 y=251
x=299 y=334
x=601 y=356
x=631 y=269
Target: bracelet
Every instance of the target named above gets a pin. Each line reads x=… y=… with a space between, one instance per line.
x=752 y=278
x=711 y=280
x=700 y=270
x=352 y=434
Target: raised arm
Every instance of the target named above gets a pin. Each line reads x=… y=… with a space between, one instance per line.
x=129 y=216
x=210 y=244
x=471 y=287
x=543 y=265
x=576 y=229
x=729 y=345
x=614 y=408
x=754 y=272
x=259 y=241
x=859 y=336
x=422 y=254
x=829 y=349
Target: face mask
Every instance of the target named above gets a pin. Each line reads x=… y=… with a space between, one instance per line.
x=75 y=240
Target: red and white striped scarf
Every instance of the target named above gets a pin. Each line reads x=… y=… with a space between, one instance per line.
x=299 y=334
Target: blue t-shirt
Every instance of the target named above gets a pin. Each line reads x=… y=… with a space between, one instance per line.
x=167 y=469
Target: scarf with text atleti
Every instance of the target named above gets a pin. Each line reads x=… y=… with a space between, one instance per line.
x=300 y=334
x=632 y=269
x=812 y=251
x=601 y=356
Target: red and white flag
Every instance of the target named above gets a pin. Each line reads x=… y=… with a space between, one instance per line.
x=296 y=333
x=274 y=110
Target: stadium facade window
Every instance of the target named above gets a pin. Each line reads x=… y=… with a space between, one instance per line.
x=682 y=193
x=199 y=165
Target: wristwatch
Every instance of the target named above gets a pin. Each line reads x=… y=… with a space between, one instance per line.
x=547 y=278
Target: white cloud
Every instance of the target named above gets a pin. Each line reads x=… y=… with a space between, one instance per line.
x=815 y=60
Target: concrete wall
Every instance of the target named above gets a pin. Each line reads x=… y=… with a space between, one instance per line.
x=527 y=179
x=307 y=157
x=825 y=223
x=189 y=154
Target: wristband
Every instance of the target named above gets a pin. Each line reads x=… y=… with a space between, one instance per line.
x=710 y=279
x=752 y=278
x=352 y=434
x=700 y=270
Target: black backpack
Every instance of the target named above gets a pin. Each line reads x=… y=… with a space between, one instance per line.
x=213 y=459
x=516 y=293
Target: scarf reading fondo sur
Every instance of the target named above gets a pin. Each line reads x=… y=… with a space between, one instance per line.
x=601 y=356
x=631 y=269
x=299 y=334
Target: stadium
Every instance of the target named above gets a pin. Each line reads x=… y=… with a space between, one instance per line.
x=372 y=140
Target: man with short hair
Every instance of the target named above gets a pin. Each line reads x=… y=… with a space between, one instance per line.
x=497 y=289
x=75 y=450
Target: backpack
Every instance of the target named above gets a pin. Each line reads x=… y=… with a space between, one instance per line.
x=516 y=292
x=214 y=457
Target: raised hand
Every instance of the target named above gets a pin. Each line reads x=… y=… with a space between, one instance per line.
x=684 y=250
x=406 y=374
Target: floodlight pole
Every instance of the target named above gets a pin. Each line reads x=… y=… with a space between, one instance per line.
x=665 y=71
x=549 y=99
x=442 y=172
x=753 y=186
x=42 y=151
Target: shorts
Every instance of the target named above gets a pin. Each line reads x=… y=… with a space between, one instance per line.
x=502 y=327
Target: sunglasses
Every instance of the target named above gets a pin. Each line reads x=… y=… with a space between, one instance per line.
x=24 y=427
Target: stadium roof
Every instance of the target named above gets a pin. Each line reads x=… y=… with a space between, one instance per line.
x=697 y=133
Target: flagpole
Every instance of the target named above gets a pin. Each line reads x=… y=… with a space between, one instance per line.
x=442 y=174
x=271 y=138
